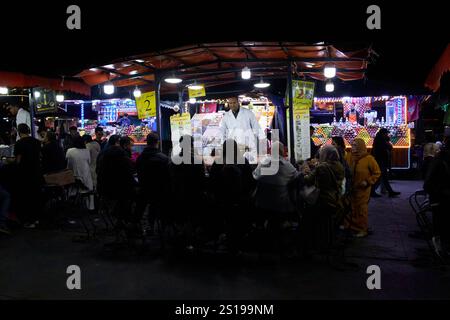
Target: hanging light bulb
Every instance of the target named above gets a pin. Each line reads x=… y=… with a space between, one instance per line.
x=261 y=84
x=329 y=71
x=192 y=100
x=59 y=97
x=137 y=92
x=329 y=86
x=246 y=73
x=173 y=79
x=37 y=94
x=3 y=90
x=108 y=88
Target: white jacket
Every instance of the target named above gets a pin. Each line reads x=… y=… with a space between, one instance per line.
x=243 y=129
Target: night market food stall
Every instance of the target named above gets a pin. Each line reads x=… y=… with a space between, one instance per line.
x=362 y=117
x=198 y=68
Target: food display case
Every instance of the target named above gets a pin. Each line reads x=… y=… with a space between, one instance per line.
x=363 y=118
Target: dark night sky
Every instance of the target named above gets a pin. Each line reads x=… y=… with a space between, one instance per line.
x=35 y=39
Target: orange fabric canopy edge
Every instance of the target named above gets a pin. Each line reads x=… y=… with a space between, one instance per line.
x=20 y=80
x=433 y=81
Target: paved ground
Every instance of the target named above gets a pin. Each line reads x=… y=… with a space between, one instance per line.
x=33 y=266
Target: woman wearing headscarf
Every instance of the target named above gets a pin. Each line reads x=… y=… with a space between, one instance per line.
x=366 y=172
x=319 y=221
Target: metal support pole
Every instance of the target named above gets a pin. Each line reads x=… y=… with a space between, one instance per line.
x=31 y=104
x=158 y=108
x=180 y=99
x=291 y=115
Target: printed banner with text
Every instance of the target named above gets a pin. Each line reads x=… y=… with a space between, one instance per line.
x=303 y=98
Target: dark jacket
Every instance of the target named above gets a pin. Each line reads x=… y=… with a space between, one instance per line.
x=328 y=178
x=115 y=173
x=53 y=158
x=154 y=176
x=382 y=151
x=437 y=180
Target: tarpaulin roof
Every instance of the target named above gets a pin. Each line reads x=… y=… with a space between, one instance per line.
x=433 y=80
x=221 y=63
x=20 y=80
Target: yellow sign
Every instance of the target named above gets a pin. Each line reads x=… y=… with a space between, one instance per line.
x=303 y=97
x=146 y=105
x=180 y=124
x=196 y=93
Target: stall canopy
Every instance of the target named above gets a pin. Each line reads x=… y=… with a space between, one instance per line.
x=433 y=81
x=20 y=80
x=221 y=63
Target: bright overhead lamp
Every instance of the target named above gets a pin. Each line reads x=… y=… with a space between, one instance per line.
x=137 y=92
x=329 y=71
x=192 y=100
x=3 y=90
x=108 y=88
x=139 y=60
x=195 y=86
x=261 y=84
x=246 y=73
x=37 y=94
x=59 y=97
x=109 y=66
x=329 y=86
x=133 y=72
x=173 y=80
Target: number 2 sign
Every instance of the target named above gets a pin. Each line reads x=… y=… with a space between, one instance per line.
x=146 y=105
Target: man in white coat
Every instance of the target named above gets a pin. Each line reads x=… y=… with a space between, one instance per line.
x=240 y=125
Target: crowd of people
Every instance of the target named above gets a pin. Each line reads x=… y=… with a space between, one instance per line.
x=328 y=192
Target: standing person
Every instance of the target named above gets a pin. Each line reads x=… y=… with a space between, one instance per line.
x=21 y=116
x=124 y=121
x=231 y=186
x=365 y=172
x=127 y=145
x=53 y=158
x=154 y=177
x=430 y=150
x=437 y=185
x=79 y=161
x=382 y=150
x=320 y=220
x=99 y=137
x=28 y=159
x=69 y=139
x=115 y=179
x=240 y=125
x=94 y=150
x=339 y=143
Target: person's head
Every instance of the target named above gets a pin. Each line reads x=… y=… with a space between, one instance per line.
x=73 y=131
x=23 y=130
x=359 y=147
x=153 y=140
x=126 y=143
x=338 y=142
x=352 y=107
x=42 y=133
x=382 y=133
x=87 y=138
x=430 y=150
x=328 y=153
x=98 y=133
x=50 y=137
x=114 y=140
x=233 y=103
x=79 y=143
x=125 y=115
x=13 y=109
